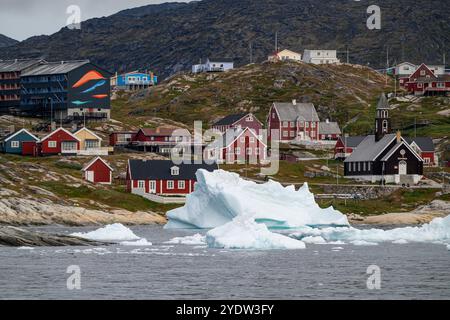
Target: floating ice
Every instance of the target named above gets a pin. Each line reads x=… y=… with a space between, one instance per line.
x=139 y=243
x=363 y=243
x=25 y=248
x=400 y=241
x=196 y=239
x=314 y=240
x=437 y=230
x=242 y=233
x=220 y=196
x=113 y=232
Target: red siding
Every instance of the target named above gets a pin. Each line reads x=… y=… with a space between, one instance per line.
x=58 y=136
x=162 y=186
x=29 y=148
x=102 y=173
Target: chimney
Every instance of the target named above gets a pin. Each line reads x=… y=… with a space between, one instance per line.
x=399 y=136
x=294 y=102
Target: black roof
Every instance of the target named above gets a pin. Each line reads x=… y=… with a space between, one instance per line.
x=425 y=143
x=217 y=59
x=352 y=142
x=17 y=65
x=161 y=170
x=229 y=120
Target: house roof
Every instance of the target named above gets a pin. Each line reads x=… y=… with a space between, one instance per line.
x=162 y=132
x=287 y=111
x=329 y=128
x=17 y=65
x=12 y=135
x=369 y=149
x=229 y=136
x=352 y=142
x=215 y=59
x=48 y=68
x=90 y=163
x=89 y=131
x=424 y=143
x=383 y=102
x=161 y=170
x=230 y=119
x=395 y=148
x=59 y=129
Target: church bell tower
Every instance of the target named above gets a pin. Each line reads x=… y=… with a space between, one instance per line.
x=382 y=120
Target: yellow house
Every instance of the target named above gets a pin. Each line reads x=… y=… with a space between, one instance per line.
x=90 y=143
x=286 y=55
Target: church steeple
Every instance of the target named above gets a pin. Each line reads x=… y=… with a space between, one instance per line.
x=382 y=120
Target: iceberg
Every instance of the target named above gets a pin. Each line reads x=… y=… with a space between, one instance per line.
x=242 y=233
x=139 y=243
x=221 y=196
x=195 y=240
x=437 y=230
x=113 y=232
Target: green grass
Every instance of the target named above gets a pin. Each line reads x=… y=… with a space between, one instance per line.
x=400 y=201
x=115 y=196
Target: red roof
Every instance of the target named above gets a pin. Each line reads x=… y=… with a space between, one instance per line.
x=161 y=132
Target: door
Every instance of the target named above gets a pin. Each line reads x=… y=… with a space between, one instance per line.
x=90 y=176
x=402 y=168
x=152 y=186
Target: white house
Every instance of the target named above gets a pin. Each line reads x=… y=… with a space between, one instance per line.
x=285 y=55
x=213 y=65
x=320 y=56
x=405 y=69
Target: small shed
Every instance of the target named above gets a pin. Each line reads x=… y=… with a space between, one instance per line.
x=98 y=171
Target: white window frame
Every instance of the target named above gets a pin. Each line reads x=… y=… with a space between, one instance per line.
x=237 y=150
x=292 y=133
x=141 y=184
x=252 y=139
x=181 y=184
x=306 y=124
x=52 y=144
x=349 y=167
x=152 y=186
x=15 y=144
x=369 y=164
x=285 y=124
x=242 y=139
x=170 y=185
x=249 y=151
x=313 y=124
x=285 y=134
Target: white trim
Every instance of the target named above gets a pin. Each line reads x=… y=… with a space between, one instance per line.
x=89 y=131
x=406 y=144
x=90 y=163
x=20 y=131
x=59 y=129
x=238 y=136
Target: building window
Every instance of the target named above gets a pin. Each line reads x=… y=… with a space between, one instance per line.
x=238 y=150
x=175 y=171
x=307 y=124
x=292 y=123
x=426 y=160
x=249 y=119
x=285 y=134
x=252 y=139
x=313 y=125
x=14 y=144
x=359 y=166
x=285 y=124
x=273 y=115
x=52 y=144
x=422 y=72
x=354 y=166
x=349 y=166
x=152 y=186
x=292 y=133
x=385 y=125
x=170 y=185
x=141 y=184
x=364 y=166
x=242 y=139
x=369 y=164
x=440 y=85
x=249 y=151
x=181 y=184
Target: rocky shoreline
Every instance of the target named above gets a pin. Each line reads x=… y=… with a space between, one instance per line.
x=17 y=237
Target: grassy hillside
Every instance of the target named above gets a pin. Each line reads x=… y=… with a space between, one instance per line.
x=342 y=93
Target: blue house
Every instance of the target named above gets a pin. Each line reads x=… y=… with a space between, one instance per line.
x=13 y=143
x=134 y=80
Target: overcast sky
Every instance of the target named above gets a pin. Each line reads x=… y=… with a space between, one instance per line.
x=21 y=19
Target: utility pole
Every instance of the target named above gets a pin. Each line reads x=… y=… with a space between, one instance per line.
x=276 y=41
x=251 y=52
x=387 y=63
x=348 y=58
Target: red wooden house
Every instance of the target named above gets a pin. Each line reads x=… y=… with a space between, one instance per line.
x=237 y=146
x=163 y=177
x=424 y=81
x=161 y=140
x=98 y=171
x=424 y=146
x=121 y=138
x=346 y=145
x=239 y=121
x=59 y=141
x=293 y=121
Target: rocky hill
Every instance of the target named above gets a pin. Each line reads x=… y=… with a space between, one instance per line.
x=6 y=41
x=170 y=37
x=344 y=93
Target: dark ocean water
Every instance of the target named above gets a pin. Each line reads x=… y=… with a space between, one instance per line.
x=162 y=271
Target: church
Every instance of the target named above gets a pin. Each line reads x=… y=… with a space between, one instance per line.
x=384 y=156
